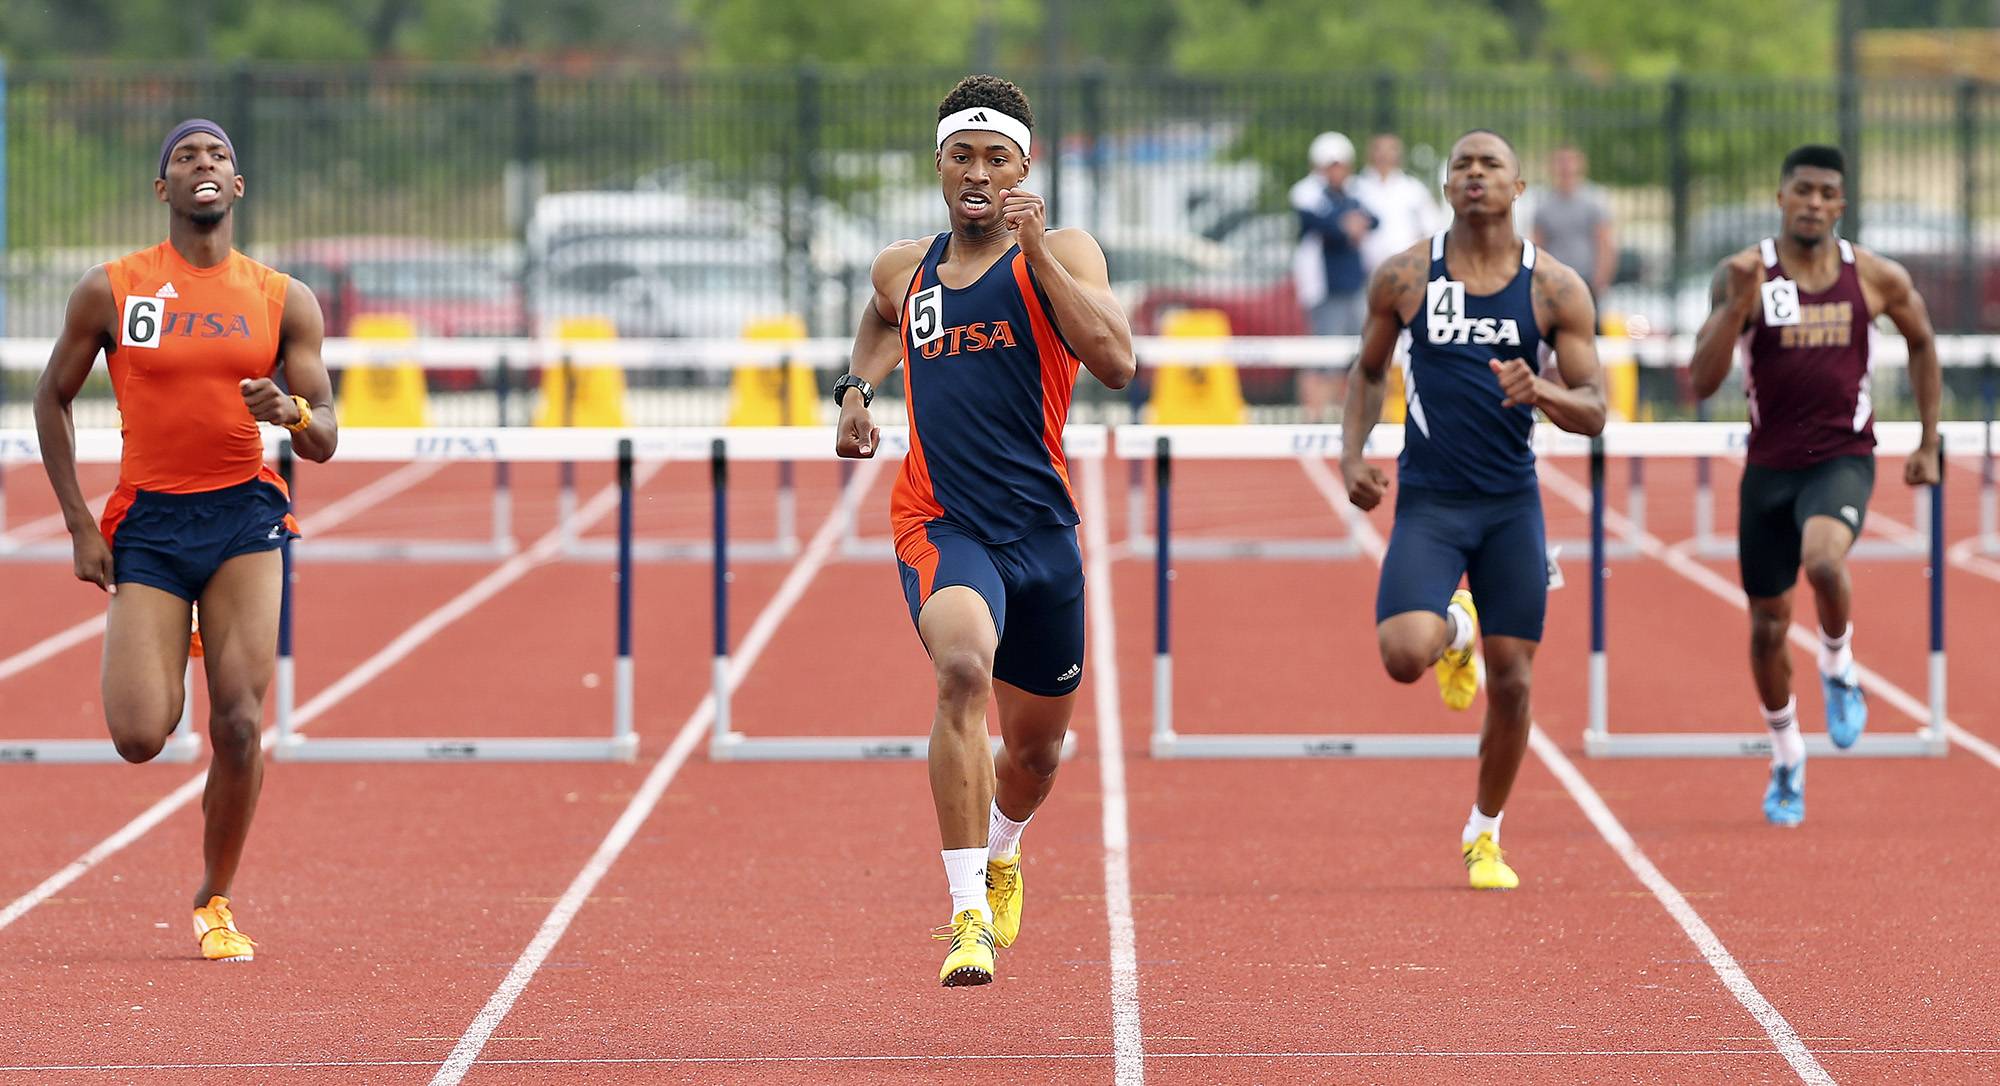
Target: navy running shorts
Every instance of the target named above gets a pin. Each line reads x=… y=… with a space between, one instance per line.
x=176 y=542
x=1033 y=586
x=1774 y=506
x=1495 y=541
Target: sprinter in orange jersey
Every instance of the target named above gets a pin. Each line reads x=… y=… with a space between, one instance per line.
x=194 y=334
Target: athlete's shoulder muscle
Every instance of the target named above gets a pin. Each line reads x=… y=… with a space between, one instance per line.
x=891 y=274
x=1077 y=251
x=1398 y=282
x=1561 y=298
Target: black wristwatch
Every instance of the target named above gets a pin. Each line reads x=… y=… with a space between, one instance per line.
x=846 y=381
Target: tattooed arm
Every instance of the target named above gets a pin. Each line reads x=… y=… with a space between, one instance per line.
x=1393 y=293
x=1572 y=322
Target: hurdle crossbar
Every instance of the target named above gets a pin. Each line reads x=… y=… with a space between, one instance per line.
x=1893 y=439
x=502 y=445
x=726 y=744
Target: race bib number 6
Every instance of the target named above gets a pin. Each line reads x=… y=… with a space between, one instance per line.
x=145 y=320
x=927 y=316
x=1781 y=302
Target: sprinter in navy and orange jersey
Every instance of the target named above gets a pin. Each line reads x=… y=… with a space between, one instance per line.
x=193 y=333
x=990 y=322
x=1484 y=309
x=1801 y=307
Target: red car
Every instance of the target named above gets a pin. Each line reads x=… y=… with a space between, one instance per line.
x=445 y=289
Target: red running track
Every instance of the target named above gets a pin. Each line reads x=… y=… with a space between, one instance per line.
x=1294 y=921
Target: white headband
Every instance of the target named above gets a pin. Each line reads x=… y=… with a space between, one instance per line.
x=985 y=119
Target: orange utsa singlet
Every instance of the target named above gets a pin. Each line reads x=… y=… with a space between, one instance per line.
x=187 y=337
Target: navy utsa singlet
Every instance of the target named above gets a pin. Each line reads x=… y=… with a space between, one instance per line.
x=1456 y=436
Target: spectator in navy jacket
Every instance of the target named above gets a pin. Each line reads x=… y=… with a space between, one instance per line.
x=1332 y=287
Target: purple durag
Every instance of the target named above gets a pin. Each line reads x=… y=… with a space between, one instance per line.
x=187 y=128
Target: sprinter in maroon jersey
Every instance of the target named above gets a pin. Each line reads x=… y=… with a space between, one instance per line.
x=1802 y=305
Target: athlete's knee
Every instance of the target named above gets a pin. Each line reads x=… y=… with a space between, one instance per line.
x=138 y=747
x=1767 y=634
x=963 y=676
x=234 y=729
x=1509 y=684
x=1825 y=572
x=1038 y=760
x=1406 y=660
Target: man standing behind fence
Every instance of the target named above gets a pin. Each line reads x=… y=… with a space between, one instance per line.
x=990 y=320
x=1326 y=267
x=1573 y=223
x=193 y=333
x=1802 y=305
x=1482 y=308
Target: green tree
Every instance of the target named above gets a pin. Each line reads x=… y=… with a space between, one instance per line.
x=1340 y=35
x=1695 y=37
x=887 y=33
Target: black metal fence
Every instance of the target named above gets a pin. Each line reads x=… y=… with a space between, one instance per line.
x=473 y=201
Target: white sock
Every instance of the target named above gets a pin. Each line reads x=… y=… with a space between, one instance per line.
x=1461 y=627
x=1787 y=747
x=965 y=870
x=1835 y=653
x=1003 y=834
x=1479 y=823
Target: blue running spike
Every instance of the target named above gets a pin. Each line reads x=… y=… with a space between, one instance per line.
x=1785 y=796
x=1846 y=708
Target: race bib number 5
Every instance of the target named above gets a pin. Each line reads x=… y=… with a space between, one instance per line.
x=1781 y=302
x=145 y=320
x=927 y=316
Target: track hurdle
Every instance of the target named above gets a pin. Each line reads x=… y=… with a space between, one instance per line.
x=815 y=443
x=553 y=446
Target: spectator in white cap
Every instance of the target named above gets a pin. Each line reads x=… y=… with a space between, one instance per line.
x=1327 y=270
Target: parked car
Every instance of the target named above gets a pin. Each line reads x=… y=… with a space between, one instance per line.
x=650 y=287
x=445 y=289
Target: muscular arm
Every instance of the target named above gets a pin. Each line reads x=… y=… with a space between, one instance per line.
x=86 y=331
x=1905 y=308
x=1072 y=273
x=1732 y=298
x=878 y=347
x=301 y=337
x=1367 y=386
x=1577 y=403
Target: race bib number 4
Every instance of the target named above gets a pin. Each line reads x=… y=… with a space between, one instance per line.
x=1781 y=302
x=1444 y=309
x=927 y=316
x=145 y=320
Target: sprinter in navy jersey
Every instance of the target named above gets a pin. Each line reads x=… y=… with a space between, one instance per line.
x=990 y=321
x=1483 y=308
x=1800 y=307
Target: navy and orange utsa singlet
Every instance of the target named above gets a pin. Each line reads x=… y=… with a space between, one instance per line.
x=1806 y=366
x=1456 y=436
x=988 y=383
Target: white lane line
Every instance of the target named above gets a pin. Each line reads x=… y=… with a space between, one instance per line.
x=487 y=587
x=1677 y=559
x=1782 y=1035
x=1775 y=1026
x=1127 y=1041
x=335 y=513
x=551 y=931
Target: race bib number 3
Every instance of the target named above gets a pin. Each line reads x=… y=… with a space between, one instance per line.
x=1444 y=309
x=927 y=316
x=145 y=319
x=1781 y=302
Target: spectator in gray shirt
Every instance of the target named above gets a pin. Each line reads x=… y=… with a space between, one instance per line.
x=1573 y=222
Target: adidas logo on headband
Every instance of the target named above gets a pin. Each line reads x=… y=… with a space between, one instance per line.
x=990 y=120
